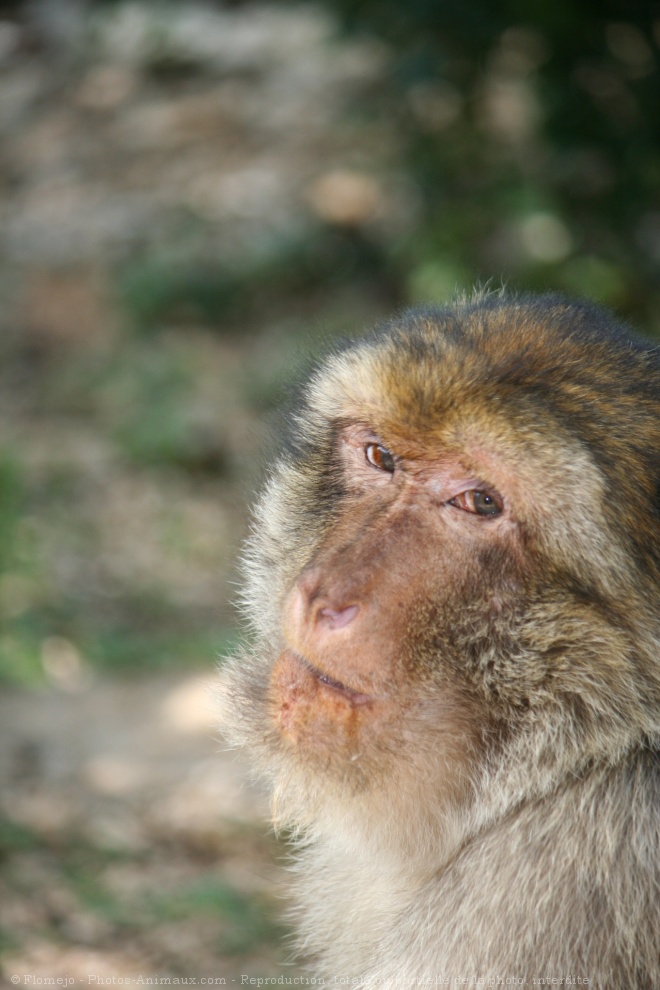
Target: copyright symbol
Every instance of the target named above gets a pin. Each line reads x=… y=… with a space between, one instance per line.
x=15 y=979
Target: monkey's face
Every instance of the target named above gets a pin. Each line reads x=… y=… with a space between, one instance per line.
x=418 y=535
x=438 y=567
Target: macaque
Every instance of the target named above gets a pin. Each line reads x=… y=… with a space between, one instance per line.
x=453 y=678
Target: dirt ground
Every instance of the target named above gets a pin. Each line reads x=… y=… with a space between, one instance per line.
x=133 y=845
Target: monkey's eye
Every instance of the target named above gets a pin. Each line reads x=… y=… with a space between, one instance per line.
x=379 y=457
x=478 y=502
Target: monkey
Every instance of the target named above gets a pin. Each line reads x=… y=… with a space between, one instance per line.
x=452 y=677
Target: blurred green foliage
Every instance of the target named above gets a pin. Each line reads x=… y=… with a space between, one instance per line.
x=532 y=131
x=20 y=631
x=161 y=289
x=49 y=625
x=530 y=141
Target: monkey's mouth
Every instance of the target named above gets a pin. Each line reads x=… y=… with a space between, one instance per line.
x=356 y=697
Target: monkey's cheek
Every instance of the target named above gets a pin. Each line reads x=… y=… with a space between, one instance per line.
x=310 y=713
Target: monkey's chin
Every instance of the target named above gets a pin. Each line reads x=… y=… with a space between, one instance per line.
x=320 y=716
x=313 y=709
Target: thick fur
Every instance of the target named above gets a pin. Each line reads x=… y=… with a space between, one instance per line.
x=544 y=861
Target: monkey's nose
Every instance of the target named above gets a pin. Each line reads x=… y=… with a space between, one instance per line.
x=312 y=611
x=317 y=606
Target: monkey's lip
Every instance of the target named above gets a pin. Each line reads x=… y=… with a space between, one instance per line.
x=356 y=697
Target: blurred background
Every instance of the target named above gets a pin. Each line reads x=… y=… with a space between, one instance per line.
x=194 y=198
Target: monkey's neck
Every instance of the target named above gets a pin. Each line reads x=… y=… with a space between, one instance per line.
x=386 y=915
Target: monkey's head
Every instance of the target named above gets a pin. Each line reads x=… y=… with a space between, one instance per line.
x=454 y=573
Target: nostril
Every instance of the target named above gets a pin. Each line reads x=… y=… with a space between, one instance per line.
x=337 y=618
